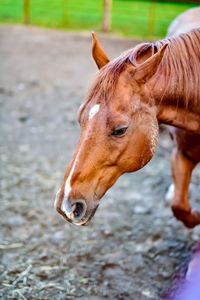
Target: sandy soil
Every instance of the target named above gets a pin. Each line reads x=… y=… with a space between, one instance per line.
x=134 y=248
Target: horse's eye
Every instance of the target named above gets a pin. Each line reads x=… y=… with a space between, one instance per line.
x=120 y=131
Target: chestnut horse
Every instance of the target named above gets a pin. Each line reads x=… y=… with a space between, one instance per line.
x=150 y=84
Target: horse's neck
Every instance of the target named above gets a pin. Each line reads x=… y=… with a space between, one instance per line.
x=175 y=110
x=179 y=117
x=176 y=85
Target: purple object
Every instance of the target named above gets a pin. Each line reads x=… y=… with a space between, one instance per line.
x=191 y=287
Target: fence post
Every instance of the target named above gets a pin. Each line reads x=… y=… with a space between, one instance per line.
x=151 y=19
x=26 y=12
x=107 y=5
x=65 y=20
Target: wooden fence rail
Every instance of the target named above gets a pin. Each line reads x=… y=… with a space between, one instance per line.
x=136 y=18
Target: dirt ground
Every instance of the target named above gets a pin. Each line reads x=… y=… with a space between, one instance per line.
x=134 y=248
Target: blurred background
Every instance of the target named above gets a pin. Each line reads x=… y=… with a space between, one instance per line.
x=139 y=19
x=134 y=249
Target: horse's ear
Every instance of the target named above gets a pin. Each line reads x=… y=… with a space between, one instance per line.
x=98 y=53
x=149 y=67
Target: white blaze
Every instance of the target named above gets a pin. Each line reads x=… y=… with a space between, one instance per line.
x=65 y=208
x=93 y=111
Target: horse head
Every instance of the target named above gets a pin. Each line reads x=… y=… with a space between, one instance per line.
x=118 y=130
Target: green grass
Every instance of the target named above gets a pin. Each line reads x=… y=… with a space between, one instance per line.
x=133 y=18
x=130 y=18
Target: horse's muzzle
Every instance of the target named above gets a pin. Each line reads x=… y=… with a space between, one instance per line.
x=75 y=211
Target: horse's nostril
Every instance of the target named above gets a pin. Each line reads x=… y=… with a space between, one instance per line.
x=74 y=210
x=79 y=209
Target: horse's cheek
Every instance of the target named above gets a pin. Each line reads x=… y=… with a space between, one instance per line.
x=153 y=137
x=147 y=143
